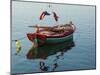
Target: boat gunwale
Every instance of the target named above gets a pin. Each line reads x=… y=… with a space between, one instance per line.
x=64 y=35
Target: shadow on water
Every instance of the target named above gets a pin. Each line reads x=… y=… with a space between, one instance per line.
x=47 y=50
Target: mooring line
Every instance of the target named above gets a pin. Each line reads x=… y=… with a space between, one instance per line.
x=20 y=38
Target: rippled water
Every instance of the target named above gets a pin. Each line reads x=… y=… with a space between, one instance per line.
x=80 y=55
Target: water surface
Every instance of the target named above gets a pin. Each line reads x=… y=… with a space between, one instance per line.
x=81 y=56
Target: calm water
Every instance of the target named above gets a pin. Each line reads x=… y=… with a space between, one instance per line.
x=80 y=56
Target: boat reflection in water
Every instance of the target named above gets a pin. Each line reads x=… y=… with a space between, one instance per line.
x=47 y=50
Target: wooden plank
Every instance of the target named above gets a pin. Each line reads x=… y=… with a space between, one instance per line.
x=40 y=26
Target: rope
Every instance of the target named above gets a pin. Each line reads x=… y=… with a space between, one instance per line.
x=20 y=38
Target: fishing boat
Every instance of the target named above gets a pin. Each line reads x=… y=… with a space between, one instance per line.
x=52 y=35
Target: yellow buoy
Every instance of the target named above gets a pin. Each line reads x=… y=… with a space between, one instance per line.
x=18 y=46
